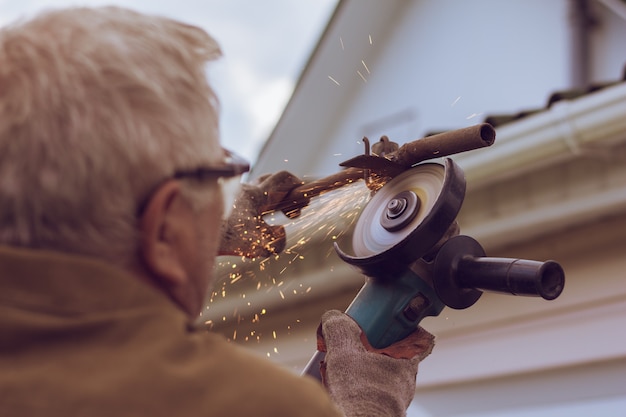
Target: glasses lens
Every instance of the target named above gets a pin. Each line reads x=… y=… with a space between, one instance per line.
x=230 y=189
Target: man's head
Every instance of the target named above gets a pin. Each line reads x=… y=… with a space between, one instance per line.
x=99 y=108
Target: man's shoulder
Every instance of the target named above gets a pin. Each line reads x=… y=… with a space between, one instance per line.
x=262 y=387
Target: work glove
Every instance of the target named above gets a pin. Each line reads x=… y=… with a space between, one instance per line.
x=364 y=381
x=245 y=233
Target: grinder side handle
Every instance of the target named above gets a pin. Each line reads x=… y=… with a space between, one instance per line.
x=462 y=272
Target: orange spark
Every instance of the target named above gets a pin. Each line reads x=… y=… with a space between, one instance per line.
x=333 y=80
x=365 y=66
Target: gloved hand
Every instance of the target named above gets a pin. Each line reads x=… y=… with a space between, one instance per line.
x=245 y=233
x=364 y=381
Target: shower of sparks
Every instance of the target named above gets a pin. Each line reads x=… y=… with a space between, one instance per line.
x=325 y=220
x=362 y=77
x=370 y=37
x=341 y=43
x=455 y=101
x=333 y=80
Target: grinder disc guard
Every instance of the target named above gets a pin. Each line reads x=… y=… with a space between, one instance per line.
x=394 y=230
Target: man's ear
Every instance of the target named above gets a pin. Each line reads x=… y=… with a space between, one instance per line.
x=163 y=228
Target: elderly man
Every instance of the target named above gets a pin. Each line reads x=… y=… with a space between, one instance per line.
x=111 y=204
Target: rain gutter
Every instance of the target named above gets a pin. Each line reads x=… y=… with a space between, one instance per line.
x=586 y=126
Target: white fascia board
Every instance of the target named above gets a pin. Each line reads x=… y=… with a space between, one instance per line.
x=584 y=334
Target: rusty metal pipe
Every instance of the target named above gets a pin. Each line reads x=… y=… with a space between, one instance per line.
x=444 y=144
x=300 y=196
x=409 y=154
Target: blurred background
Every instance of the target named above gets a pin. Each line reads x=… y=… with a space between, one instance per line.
x=302 y=82
x=265 y=45
x=549 y=75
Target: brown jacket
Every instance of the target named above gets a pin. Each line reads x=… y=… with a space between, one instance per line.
x=81 y=338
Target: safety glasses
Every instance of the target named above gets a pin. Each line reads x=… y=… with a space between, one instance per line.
x=227 y=173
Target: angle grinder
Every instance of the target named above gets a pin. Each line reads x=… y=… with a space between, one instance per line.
x=407 y=243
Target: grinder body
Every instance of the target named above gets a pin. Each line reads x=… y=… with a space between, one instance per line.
x=388 y=310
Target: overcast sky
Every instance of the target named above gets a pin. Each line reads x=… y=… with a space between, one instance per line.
x=265 y=42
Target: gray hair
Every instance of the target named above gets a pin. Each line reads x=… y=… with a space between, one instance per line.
x=97 y=106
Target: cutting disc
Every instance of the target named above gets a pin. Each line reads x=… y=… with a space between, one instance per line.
x=382 y=245
x=370 y=236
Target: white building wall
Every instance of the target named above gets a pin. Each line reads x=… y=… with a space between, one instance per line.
x=446 y=64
